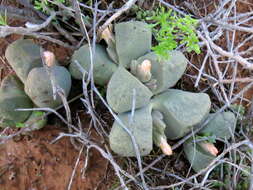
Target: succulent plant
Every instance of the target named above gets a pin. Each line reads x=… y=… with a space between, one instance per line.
x=36 y=121
x=25 y=58
x=133 y=39
x=40 y=80
x=164 y=73
x=159 y=136
x=12 y=97
x=142 y=77
x=201 y=153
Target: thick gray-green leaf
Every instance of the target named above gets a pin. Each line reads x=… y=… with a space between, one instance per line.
x=23 y=56
x=165 y=72
x=141 y=128
x=120 y=91
x=133 y=39
x=222 y=126
x=103 y=67
x=181 y=110
x=198 y=158
x=39 y=85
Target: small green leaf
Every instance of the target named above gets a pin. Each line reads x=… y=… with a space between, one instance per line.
x=172 y=30
x=20 y=125
x=3 y=19
x=38 y=113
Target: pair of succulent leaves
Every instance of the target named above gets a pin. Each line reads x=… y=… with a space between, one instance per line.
x=32 y=84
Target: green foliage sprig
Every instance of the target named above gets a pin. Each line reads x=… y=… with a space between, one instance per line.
x=44 y=5
x=3 y=19
x=172 y=30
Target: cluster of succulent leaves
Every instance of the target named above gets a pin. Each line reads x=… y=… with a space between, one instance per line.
x=128 y=65
x=172 y=30
x=31 y=85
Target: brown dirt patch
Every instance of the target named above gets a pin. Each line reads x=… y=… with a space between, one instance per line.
x=33 y=163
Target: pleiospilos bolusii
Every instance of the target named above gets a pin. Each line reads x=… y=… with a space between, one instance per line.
x=137 y=77
x=25 y=58
x=181 y=110
x=201 y=153
x=35 y=87
x=41 y=81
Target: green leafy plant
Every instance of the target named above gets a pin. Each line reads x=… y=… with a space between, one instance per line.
x=45 y=5
x=38 y=113
x=3 y=19
x=211 y=138
x=172 y=30
x=41 y=5
x=20 y=125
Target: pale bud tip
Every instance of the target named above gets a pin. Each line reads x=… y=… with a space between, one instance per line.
x=49 y=58
x=209 y=147
x=166 y=148
x=146 y=65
